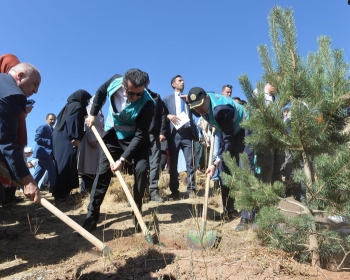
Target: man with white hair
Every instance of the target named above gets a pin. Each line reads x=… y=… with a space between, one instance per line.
x=22 y=81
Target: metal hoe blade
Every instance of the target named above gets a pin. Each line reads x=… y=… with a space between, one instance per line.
x=199 y=241
x=203 y=239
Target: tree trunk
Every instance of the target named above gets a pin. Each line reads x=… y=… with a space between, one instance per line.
x=307 y=170
x=314 y=249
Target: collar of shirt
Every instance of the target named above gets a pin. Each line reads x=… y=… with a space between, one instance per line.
x=178 y=102
x=119 y=99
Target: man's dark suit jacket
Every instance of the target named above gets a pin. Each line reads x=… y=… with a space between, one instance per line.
x=43 y=147
x=12 y=104
x=169 y=102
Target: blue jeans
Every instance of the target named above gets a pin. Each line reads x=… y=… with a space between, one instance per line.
x=43 y=165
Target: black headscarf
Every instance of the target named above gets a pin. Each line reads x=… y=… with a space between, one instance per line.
x=77 y=100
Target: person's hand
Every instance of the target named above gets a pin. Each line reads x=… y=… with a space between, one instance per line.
x=29 y=109
x=30 y=165
x=116 y=166
x=30 y=189
x=174 y=119
x=75 y=143
x=93 y=145
x=184 y=97
x=162 y=138
x=210 y=170
x=90 y=121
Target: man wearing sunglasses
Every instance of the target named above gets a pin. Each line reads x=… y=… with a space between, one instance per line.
x=126 y=136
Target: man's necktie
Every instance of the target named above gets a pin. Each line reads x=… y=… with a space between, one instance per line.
x=182 y=104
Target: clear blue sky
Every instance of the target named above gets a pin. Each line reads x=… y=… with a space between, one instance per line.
x=80 y=44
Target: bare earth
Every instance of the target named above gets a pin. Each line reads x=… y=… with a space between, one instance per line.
x=46 y=248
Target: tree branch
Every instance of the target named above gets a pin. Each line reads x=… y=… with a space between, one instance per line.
x=290 y=211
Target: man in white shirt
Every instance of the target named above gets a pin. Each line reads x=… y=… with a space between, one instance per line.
x=181 y=138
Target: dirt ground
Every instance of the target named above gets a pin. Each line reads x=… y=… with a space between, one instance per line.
x=46 y=248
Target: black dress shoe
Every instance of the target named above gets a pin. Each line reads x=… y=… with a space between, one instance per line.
x=174 y=196
x=227 y=215
x=60 y=196
x=90 y=224
x=12 y=201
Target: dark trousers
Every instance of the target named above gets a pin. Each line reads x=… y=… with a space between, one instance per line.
x=2 y=193
x=270 y=166
x=154 y=164
x=237 y=148
x=49 y=165
x=176 y=143
x=104 y=174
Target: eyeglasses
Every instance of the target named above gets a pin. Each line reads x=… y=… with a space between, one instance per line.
x=130 y=93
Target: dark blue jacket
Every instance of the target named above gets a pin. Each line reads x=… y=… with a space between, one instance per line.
x=12 y=103
x=43 y=147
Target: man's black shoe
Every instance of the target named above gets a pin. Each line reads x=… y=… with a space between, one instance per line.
x=227 y=215
x=14 y=200
x=174 y=196
x=61 y=196
x=90 y=224
x=156 y=198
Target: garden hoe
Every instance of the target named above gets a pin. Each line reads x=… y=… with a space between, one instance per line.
x=87 y=235
x=203 y=239
x=137 y=213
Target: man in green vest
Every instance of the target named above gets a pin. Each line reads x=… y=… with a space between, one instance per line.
x=226 y=116
x=126 y=136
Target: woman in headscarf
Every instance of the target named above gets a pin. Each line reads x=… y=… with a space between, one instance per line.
x=7 y=61
x=66 y=137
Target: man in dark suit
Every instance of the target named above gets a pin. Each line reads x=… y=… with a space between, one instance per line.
x=43 y=151
x=22 y=81
x=126 y=136
x=181 y=138
x=157 y=132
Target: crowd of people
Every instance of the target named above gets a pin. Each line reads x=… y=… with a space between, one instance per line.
x=138 y=125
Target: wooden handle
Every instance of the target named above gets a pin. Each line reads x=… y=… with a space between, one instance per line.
x=207 y=183
x=122 y=182
x=59 y=214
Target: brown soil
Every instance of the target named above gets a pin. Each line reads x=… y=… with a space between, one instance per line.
x=46 y=248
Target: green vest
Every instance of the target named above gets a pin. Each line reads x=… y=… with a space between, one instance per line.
x=218 y=99
x=124 y=122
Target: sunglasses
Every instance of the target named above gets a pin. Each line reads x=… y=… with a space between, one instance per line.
x=130 y=93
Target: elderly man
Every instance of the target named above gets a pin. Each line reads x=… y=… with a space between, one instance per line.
x=126 y=136
x=226 y=116
x=22 y=81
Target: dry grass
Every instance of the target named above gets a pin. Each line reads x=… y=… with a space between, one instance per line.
x=63 y=255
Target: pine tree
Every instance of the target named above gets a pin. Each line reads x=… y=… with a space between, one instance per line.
x=317 y=89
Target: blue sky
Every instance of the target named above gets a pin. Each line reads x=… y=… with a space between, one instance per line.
x=80 y=44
